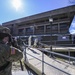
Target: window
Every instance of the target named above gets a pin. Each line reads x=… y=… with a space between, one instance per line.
x=64 y=28
x=20 y=31
x=39 y=30
x=63 y=17
x=41 y=27
x=55 y=27
x=48 y=27
x=63 y=25
x=29 y=30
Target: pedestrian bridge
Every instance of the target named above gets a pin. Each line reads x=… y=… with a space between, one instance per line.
x=41 y=64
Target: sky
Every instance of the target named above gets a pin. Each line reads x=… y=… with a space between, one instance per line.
x=15 y=9
x=72 y=26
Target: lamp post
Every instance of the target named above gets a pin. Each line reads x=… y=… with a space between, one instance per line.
x=51 y=21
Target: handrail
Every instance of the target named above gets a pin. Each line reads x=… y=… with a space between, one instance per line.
x=51 y=52
x=59 y=54
x=47 y=64
x=62 y=44
x=65 y=47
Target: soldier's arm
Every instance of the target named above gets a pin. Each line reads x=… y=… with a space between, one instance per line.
x=4 y=54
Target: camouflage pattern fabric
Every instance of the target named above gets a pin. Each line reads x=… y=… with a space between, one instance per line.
x=7 y=70
x=7 y=57
x=4 y=30
x=8 y=53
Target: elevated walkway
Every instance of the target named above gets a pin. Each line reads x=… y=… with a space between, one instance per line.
x=43 y=65
x=62 y=49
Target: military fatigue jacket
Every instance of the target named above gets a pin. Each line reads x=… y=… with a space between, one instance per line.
x=8 y=54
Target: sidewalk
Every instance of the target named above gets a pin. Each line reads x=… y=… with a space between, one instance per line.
x=16 y=69
x=19 y=72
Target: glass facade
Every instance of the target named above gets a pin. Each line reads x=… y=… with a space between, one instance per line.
x=21 y=31
x=39 y=30
x=64 y=28
x=29 y=31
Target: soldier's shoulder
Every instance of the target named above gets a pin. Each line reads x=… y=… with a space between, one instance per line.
x=2 y=45
x=16 y=54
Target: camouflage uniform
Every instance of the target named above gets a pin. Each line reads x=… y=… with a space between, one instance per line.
x=6 y=57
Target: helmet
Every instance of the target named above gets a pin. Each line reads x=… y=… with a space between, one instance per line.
x=4 y=31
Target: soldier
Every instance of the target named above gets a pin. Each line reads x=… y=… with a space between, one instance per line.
x=8 y=53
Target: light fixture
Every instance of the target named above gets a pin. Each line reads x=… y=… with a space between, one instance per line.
x=50 y=19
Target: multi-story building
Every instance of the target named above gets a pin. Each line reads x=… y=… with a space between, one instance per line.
x=39 y=25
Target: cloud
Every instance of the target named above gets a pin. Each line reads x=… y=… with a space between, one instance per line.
x=72 y=31
x=72 y=27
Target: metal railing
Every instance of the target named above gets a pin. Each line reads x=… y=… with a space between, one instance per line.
x=68 y=49
x=44 y=62
x=60 y=43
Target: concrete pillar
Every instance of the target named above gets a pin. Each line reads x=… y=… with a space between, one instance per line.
x=36 y=41
x=33 y=30
x=58 y=28
x=44 y=29
x=29 y=40
x=24 y=31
